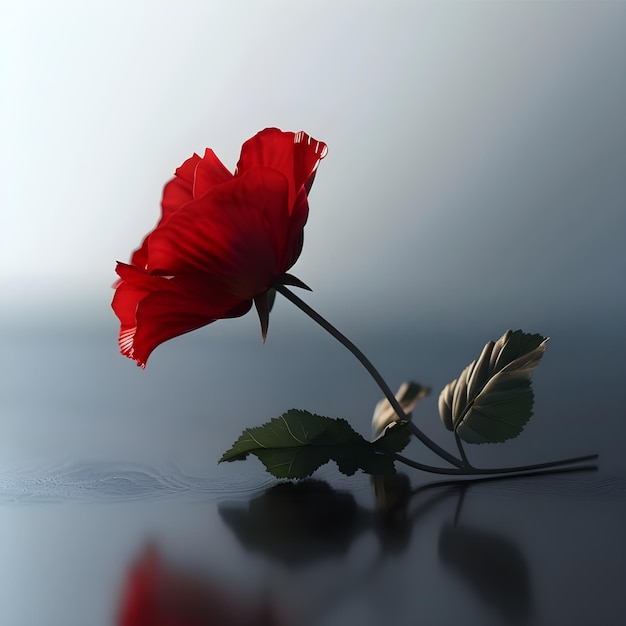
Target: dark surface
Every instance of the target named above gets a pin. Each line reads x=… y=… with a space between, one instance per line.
x=100 y=460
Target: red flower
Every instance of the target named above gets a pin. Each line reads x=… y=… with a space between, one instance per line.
x=222 y=242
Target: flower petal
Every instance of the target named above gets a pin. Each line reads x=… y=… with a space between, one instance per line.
x=295 y=155
x=236 y=234
x=209 y=172
x=153 y=309
x=178 y=191
x=295 y=236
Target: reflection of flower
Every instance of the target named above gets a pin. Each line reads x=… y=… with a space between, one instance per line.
x=159 y=596
x=222 y=242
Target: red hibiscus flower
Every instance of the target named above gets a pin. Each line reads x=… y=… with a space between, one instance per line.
x=222 y=242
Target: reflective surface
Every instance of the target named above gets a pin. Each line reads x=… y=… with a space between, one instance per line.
x=545 y=550
x=102 y=464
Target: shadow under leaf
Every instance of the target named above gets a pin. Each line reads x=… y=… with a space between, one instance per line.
x=297 y=523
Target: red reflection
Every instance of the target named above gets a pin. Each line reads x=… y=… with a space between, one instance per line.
x=157 y=595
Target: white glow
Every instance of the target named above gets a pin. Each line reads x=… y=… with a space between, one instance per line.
x=454 y=130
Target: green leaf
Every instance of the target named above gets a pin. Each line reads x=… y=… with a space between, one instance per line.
x=492 y=399
x=394 y=438
x=408 y=395
x=297 y=443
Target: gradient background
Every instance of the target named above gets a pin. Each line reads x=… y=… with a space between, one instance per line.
x=476 y=163
x=475 y=181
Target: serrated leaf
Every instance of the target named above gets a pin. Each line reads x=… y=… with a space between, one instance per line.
x=492 y=399
x=297 y=443
x=293 y=428
x=408 y=395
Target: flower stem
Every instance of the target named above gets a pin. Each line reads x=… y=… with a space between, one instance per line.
x=429 y=443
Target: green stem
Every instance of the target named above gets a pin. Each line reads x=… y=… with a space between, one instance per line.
x=314 y=315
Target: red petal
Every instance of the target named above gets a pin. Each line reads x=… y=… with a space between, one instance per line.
x=210 y=171
x=237 y=235
x=193 y=178
x=295 y=236
x=153 y=309
x=140 y=256
x=295 y=155
x=179 y=191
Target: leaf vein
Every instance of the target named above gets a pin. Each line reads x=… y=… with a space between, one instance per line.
x=255 y=440
x=282 y=417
